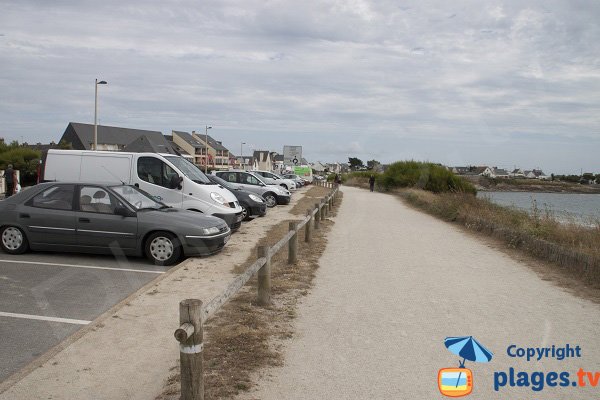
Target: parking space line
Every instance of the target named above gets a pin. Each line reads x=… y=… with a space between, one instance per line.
x=42 y=318
x=81 y=266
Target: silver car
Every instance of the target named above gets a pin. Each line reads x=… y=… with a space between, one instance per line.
x=273 y=194
x=95 y=218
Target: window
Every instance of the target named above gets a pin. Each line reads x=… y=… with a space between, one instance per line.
x=155 y=171
x=96 y=199
x=59 y=197
x=228 y=176
x=250 y=180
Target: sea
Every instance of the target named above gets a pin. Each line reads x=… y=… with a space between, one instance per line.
x=579 y=208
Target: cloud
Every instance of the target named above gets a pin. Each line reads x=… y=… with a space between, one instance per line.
x=416 y=80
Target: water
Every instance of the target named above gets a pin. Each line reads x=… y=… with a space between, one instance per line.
x=582 y=209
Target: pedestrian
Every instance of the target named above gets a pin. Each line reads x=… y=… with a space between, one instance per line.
x=372 y=182
x=10 y=179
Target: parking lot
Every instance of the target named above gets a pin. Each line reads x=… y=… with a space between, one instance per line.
x=45 y=297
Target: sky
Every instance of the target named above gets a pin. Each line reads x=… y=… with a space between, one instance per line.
x=498 y=83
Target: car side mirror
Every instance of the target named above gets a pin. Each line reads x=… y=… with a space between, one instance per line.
x=123 y=211
x=175 y=182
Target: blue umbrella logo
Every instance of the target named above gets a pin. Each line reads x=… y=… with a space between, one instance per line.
x=469 y=349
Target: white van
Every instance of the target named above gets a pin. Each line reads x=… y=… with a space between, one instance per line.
x=169 y=178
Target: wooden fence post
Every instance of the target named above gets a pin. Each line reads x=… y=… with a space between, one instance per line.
x=323 y=210
x=307 y=229
x=264 y=277
x=189 y=336
x=317 y=216
x=293 y=244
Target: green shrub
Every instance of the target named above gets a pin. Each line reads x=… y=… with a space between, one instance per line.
x=427 y=176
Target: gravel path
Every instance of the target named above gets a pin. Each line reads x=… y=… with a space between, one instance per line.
x=393 y=284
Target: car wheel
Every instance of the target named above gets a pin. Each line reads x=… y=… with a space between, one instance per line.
x=163 y=248
x=270 y=199
x=245 y=213
x=13 y=240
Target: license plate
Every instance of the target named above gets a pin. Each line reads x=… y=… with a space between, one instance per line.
x=226 y=239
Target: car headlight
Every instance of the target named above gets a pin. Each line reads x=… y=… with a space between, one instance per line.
x=255 y=198
x=210 y=231
x=217 y=198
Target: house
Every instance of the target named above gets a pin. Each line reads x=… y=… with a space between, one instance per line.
x=179 y=150
x=517 y=173
x=278 y=164
x=460 y=170
x=112 y=138
x=192 y=146
x=318 y=167
x=539 y=174
x=247 y=163
x=264 y=159
x=218 y=155
x=499 y=173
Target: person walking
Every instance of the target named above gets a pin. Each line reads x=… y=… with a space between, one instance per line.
x=372 y=182
x=10 y=178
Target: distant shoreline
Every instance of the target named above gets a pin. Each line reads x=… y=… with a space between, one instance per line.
x=483 y=184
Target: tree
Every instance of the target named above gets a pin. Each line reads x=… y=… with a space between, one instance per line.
x=372 y=164
x=355 y=163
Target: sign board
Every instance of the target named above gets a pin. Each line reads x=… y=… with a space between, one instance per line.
x=292 y=155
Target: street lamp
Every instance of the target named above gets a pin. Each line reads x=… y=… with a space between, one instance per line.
x=242 y=154
x=206 y=143
x=96 y=112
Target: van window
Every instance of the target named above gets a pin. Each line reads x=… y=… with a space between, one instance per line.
x=155 y=171
x=189 y=169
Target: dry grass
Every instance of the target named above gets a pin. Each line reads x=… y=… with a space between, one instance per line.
x=244 y=337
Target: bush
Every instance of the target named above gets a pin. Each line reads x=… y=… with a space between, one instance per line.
x=427 y=176
x=24 y=159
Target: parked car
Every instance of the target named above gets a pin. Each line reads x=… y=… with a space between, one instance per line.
x=273 y=194
x=169 y=178
x=298 y=180
x=95 y=218
x=275 y=179
x=252 y=204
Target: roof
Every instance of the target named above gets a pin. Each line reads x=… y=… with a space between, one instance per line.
x=278 y=158
x=81 y=136
x=189 y=139
x=145 y=144
x=500 y=171
x=211 y=141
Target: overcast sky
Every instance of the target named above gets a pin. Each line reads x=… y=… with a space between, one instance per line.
x=511 y=83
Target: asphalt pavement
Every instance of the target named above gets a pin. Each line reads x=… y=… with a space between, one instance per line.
x=46 y=297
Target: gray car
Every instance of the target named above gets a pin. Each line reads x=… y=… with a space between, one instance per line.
x=95 y=218
x=273 y=194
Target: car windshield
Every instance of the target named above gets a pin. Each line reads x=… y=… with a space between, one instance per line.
x=189 y=170
x=137 y=198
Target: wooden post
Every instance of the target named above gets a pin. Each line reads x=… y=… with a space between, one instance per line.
x=189 y=336
x=323 y=210
x=317 y=216
x=307 y=229
x=293 y=244
x=264 y=277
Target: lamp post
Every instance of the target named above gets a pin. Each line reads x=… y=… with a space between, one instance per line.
x=206 y=145
x=96 y=112
x=242 y=154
